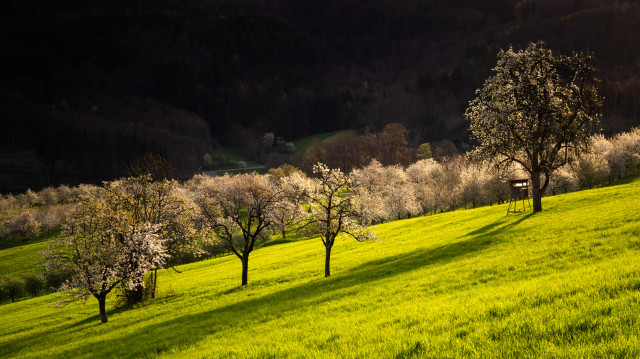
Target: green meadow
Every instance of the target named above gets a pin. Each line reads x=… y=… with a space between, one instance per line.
x=471 y=283
x=22 y=259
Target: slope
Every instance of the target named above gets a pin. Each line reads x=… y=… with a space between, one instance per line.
x=561 y=283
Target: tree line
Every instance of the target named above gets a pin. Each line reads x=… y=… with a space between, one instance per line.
x=117 y=236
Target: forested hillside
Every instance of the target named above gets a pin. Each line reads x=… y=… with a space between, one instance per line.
x=87 y=86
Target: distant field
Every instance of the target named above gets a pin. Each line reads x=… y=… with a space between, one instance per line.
x=472 y=283
x=304 y=142
x=233 y=156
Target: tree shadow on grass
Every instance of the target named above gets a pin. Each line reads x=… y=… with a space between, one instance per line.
x=494 y=228
x=190 y=329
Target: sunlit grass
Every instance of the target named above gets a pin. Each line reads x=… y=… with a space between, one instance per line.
x=23 y=259
x=476 y=283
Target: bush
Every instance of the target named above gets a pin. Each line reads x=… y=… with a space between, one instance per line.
x=32 y=199
x=7 y=202
x=54 y=279
x=51 y=217
x=5 y=230
x=33 y=284
x=563 y=180
x=87 y=190
x=65 y=194
x=591 y=168
x=49 y=196
x=4 y=293
x=24 y=226
x=14 y=288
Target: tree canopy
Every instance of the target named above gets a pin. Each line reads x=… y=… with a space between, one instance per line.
x=536 y=109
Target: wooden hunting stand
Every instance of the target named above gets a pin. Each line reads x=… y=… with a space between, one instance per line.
x=519 y=191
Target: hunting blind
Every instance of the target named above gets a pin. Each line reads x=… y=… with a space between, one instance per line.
x=519 y=191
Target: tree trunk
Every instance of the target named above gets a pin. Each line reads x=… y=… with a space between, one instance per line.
x=536 y=194
x=245 y=269
x=155 y=283
x=327 y=261
x=102 y=301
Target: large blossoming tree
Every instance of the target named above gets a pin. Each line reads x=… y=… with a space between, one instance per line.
x=141 y=200
x=535 y=110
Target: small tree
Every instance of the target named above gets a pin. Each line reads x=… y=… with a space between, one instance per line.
x=98 y=257
x=33 y=283
x=14 y=286
x=563 y=180
x=153 y=165
x=534 y=110
x=422 y=175
x=392 y=145
x=474 y=182
x=591 y=168
x=137 y=201
x=370 y=189
x=237 y=208
x=424 y=151
x=333 y=211
x=293 y=189
x=4 y=293
x=399 y=196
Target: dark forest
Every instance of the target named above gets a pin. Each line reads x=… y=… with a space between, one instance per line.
x=86 y=86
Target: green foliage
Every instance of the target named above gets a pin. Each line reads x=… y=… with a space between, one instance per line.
x=4 y=294
x=55 y=279
x=475 y=283
x=424 y=151
x=34 y=283
x=14 y=287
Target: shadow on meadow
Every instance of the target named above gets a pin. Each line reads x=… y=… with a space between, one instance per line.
x=190 y=329
x=495 y=229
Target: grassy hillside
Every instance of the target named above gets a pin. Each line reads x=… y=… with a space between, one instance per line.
x=21 y=259
x=475 y=283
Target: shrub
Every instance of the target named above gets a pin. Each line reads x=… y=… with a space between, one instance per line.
x=5 y=230
x=51 y=217
x=24 y=226
x=49 y=196
x=87 y=190
x=14 y=287
x=10 y=202
x=54 y=279
x=34 y=284
x=65 y=194
x=4 y=293
x=563 y=180
x=5 y=204
x=591 y=168
x=32 y=198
